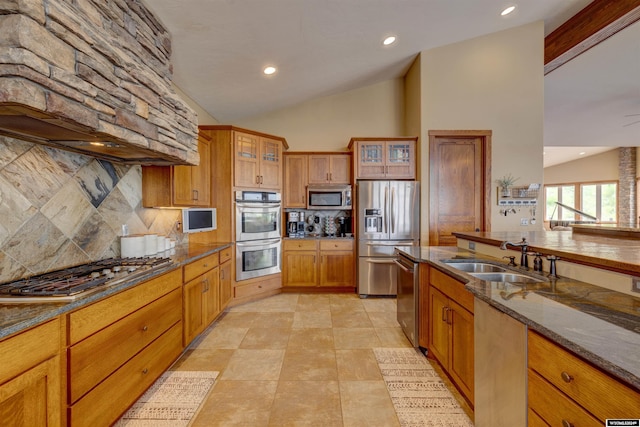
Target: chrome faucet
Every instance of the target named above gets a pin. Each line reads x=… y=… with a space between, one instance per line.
x=523 y=245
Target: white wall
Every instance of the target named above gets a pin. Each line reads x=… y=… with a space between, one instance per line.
x=599 y=167
x=494 y=82
x=328 y=123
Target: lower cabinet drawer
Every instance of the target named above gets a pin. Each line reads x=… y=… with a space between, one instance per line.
x=103 y=405
x=601 y=394
x=554 y=407
x=257 y=287
x=96 y=357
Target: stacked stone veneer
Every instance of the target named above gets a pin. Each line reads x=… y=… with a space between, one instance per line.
x=627 y=187
x=99 y=64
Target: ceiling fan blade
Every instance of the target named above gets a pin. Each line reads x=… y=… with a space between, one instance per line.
x=632 y=123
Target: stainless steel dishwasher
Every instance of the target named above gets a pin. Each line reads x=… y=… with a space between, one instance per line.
x=407 y=302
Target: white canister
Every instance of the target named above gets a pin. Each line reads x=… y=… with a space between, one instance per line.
x=132 y=246
x=151 y=244
x=160 y=244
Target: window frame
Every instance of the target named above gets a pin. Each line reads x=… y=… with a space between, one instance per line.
x=577 y=189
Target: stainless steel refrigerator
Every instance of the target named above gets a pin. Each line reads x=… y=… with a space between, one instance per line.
x=388 y=215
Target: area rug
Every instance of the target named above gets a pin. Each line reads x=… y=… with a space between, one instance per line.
x=418 y=394
x=173 y=400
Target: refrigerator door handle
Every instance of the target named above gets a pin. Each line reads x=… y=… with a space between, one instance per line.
x=386 y=209
x=393 y=210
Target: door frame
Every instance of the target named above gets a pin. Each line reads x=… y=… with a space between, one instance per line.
x=485 y=138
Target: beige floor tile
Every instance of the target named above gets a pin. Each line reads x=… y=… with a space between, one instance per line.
x=238 y=403
x=379 y=304
x=357 y=365
x=203 y=360
x=345 y=338
x=346 y=302
x=307 y=403
x=312 y=338
x=309 y=365
x=221 y=336
x=392 y=337
x=313 y=302
x=258 y=365
x=266 y=338
x=383 y=319
x=367 y=403
x=350 y=319
x=237 y=319
x=312 y=319
x=275 y=303
x=273 y=319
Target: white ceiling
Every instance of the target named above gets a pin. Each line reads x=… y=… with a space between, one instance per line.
x=324 y=47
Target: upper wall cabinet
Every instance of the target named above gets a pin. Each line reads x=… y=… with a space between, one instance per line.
x=180 y=186
x=329 y=169
x=384 y=158
x=258 y=161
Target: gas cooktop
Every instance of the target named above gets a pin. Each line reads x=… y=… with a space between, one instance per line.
x=70 y=283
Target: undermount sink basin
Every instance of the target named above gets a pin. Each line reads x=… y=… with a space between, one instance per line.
x=506 y=277
x=476 y=267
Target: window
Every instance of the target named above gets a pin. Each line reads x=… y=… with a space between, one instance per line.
x=596 y=199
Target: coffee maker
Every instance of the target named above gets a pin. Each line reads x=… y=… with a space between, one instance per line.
x=295 y=224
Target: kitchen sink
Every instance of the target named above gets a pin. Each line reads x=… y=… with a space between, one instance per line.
x=506 y=277
x=476 y=267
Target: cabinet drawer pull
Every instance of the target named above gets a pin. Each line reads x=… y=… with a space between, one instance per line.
x=259 y=286
x=145 y=371
x=566 y=423
x=145 y=328
x=444 y=314
x=566 y=377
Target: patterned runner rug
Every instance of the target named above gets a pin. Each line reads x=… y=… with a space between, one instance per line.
x=173 y=400
x=418 y=394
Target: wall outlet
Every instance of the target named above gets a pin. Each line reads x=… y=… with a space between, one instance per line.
x=635 y=284
x=524 y=221
x=472 y=246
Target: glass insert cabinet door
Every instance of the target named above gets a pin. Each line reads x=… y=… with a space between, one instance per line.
x=394 y=159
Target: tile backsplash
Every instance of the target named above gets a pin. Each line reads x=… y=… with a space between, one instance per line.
x=59 y=209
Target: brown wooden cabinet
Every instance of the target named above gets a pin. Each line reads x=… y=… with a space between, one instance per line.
x=258 y=161
x=201 y=296
x=451 y=329
x=384 y=158
x=226 y=291
x=318 y=263
x=30 y=377
x=329 y=169
x=295 y=180
x=184 y=186
x=563 y=389
x=136 y=333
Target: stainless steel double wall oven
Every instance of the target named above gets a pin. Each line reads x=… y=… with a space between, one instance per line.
x=258 y=234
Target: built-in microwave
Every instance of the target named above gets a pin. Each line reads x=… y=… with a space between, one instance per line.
x=324 y=197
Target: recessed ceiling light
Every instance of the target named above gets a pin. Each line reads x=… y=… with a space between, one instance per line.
x=269 y=70
x=389 y=40
x=97 y=144
x=507 y=10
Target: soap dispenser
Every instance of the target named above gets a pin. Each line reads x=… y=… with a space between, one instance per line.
x=537 y=262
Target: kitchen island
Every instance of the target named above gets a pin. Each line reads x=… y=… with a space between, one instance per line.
x=598 y=325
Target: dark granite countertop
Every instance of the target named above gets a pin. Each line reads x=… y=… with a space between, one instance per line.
x=601 y=325
x=18 y=317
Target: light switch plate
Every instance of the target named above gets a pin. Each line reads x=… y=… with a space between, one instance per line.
x=635 y=284
x=524 y=221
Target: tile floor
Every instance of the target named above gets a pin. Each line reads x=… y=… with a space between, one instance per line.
x=298 y=359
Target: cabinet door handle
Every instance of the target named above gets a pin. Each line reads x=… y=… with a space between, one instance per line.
x=566 y=423
x=195 y=194
x=566 y=377
x=222 y=274
x=257 y=179
x=145 y=371
x=261 y=179
x=145 y=328
x=444 y=314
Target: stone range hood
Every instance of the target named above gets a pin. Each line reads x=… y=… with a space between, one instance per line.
x=77 y=72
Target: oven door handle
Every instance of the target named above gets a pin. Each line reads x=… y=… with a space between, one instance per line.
x=381 y=261
x=258 y=242
x=275 y=205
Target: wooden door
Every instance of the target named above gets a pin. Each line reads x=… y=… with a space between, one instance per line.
x=201 y=175
x=295 y=181
x=370 y=160
x=226 y=292
x=336 y=268
x=438 y=326
x=400 y=159
x=319 y=169
x=340 y=168
x=459 y=184
x=193 y=321
x=461 y=349
x=299 y=268
x=211 y=296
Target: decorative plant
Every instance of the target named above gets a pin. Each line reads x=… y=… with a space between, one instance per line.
x=506 y=181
